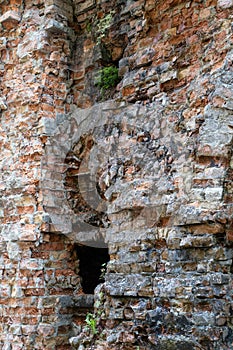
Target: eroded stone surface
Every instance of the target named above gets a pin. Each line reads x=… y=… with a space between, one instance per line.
x=162 y=199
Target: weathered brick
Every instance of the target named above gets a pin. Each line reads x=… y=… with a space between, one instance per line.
x=170 y=113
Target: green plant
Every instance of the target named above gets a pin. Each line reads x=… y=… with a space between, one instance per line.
x=88 y=26
x=107 y=78
x=91 y=322
x=102 y=25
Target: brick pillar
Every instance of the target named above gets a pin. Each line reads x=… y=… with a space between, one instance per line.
x=38 y=270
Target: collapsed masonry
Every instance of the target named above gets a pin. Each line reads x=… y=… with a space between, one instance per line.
x=140 y=173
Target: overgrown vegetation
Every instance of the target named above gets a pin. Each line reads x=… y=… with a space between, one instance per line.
x=93 y=319
x=103 y=24
x=107 y=78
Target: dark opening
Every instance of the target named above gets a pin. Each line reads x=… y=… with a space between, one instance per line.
x=91 y=262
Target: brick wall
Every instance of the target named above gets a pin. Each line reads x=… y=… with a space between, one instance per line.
x=168 y=284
